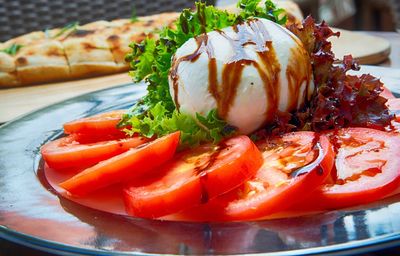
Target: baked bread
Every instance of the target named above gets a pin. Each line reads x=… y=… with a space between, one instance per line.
x=8 y=70
x=72 y=52
x=41 y=62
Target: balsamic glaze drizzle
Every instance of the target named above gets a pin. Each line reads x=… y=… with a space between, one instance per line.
x=203 y=175
x=314 y=165
x=250 y=32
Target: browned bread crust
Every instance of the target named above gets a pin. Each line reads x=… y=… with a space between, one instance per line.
x=93 y=49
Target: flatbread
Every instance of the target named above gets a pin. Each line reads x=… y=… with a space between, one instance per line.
x=27 y=39
x=8 y=68
x=97 y=25
x=119 y=45
x=88 y=54
x=8 y=71
x=124 y=32
x=119 y=38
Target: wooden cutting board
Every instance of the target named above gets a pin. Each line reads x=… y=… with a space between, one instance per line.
x=365 y=48
x=15 y=102
x=18 y=101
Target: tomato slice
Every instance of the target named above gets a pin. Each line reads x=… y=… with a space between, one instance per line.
x=367 y=168
x=394 y=107
x=82 y=138
x=67 y=152
x=101 y=124
x=386 y=93
x=194 y=177
x=128 y=165
x=294 y=166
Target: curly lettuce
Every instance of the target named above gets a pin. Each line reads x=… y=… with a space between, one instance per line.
x=339 y=100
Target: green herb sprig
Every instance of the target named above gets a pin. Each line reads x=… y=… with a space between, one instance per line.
x=134 y=16
x=12 y=49
x=70 y=28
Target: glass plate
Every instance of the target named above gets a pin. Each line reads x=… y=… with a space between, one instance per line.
x=32 y=214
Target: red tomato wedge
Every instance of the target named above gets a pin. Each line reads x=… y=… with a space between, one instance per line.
x=82 y=138
x=67 y=152
x=294 y=166
x=194 y=177
x=101 y=124
x=367 y=168
x=386 y=93
x=128 y=165
x=394 y=107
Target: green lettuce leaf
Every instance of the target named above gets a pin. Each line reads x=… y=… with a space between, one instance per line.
x=158 y=122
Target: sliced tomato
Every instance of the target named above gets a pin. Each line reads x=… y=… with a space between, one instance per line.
x=82 y=138
x=394 y=107
x=386 y=93
x=101 y=124
x=194 y=177
x=67 y=152
x=294 y=166
x=128 y=165
x=367 y=168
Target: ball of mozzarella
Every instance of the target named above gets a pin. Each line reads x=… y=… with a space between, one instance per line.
x=248 y=72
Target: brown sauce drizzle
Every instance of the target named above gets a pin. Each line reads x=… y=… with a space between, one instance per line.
x=201 y=171
x=268 y=70
x=203 y=45
x=225 y=93
x=271 y=80
x=297 y=73
x=175 y=77
x=314 y=165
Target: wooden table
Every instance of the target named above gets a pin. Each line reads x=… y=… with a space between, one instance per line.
x=15 y=102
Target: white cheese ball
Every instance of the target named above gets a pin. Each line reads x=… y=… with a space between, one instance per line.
x=259 y=68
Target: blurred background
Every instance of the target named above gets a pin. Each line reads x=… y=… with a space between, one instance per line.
x=21 y=16
x=383 y=15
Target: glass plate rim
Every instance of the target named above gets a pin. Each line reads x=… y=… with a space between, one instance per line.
x=6 y=233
